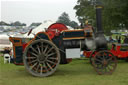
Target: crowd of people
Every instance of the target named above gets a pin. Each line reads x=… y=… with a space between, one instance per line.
x=119 y=39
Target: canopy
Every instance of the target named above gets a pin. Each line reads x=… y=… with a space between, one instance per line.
x=4 y=36
x=43 y=26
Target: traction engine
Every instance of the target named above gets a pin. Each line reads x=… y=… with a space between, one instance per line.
x=43 y=53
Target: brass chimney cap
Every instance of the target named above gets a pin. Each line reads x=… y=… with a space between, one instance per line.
x=99 y=6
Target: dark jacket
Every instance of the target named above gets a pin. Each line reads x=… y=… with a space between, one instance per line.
x=126 y=40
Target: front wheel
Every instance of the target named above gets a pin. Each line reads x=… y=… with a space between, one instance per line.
x=104 y=62
x=41 y=58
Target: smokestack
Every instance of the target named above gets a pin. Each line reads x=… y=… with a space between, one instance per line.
x=99 y=18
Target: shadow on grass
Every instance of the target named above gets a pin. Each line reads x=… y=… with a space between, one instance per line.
x=75 y=68
x=63 y=70
x=78 y=67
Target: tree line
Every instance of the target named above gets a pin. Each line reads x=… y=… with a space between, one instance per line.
x=63 y=18
x=16 y=23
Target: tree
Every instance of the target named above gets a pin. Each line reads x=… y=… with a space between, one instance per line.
x=17 y=23
x=23 y=24
x=64 y=18
x=73 y=24
x=3 y=23
x=35 y=24
x=114 y=12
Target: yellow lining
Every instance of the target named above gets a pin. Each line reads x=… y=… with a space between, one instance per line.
x=73 y=38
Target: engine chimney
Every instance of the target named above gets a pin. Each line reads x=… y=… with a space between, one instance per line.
x=99 y=18
x=100 y=40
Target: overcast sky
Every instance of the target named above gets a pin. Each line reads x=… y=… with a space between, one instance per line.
x=29 y=11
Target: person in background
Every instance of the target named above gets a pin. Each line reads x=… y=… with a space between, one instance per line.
x=11 y=56
x=119 y=39
x=126 y=40
x=116 y=38
x=111 y=40
x=6 y=50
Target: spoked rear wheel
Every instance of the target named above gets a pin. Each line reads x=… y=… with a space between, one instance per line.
x=104 y=62
x=41 y=58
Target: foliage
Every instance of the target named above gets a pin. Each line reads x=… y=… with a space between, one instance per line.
x=35 y=24
x=114 y=12
x=3 y=23
x=73 y=24
x=17 y=23
x=64 y=18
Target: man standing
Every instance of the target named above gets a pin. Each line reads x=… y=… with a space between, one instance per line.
x=126 y=40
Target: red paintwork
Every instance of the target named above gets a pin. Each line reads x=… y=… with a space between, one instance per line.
x=87 y=53
x=115 y=50
x=24 y=46
x=55 y=29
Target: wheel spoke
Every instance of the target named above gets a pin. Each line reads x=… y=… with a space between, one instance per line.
x=109 y=59
x=51 y=62
x=52 y=58
x=32 y=61
x=104 y=57
x=33 y=49
x=30 y=57
x=45 y=67
x=98 y=66
x=34 y=54
x=46 y=49
x=50 y=50
x=38 y=49
x=37 y=67
x=101 y=66
x=98 y=60
x=109 y=68
x=41 y=68
x=99 y=57
x=112 y=65
x=105 y=69
x=42 y=47
x=49 y=66
x=51 y=54
x=33 y=65
x=111 y=62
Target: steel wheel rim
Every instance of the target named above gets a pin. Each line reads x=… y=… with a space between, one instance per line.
x=41 y=58
x=104 y=62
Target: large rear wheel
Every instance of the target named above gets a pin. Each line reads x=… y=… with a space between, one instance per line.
x=41 y=58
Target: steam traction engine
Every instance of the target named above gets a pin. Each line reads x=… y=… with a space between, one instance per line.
x=42 y=54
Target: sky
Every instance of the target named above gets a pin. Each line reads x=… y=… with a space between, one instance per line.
x=28 y=11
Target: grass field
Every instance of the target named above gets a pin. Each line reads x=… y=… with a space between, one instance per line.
x=78 y=72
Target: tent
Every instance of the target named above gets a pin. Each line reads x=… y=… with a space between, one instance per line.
x=43 y=26
x=4 y=36
x=40 y=28
x=4 y=41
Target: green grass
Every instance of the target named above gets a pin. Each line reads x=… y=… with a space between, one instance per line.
x=78 y=72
